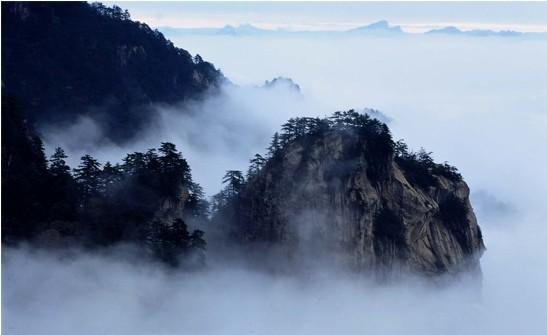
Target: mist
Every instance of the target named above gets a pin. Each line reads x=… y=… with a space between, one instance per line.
x=479 y=103
x=240 y=122
x=89 y=294
x=461 y=98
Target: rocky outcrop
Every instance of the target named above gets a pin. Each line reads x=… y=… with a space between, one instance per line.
x=334 y=197
x=282 y=83
x=172 y=207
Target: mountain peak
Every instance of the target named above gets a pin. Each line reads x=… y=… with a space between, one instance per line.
x=381 y=26
x=282 y=82
x=445 y=30
x=340 y=189
x=241 y=29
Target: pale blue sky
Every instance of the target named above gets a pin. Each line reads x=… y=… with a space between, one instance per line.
x=413 y=17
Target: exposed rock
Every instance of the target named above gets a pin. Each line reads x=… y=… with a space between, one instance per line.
x=172 y=207
x=331 y=197
x=282 y=83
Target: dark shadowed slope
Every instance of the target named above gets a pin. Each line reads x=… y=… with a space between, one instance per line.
x=24 y=174
x=63 y=60
x=145 y=201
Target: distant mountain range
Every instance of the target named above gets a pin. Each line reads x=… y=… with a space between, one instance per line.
x=380 y=28
x=478 y=32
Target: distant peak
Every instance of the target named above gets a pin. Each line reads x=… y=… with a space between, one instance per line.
x=445 y=30
x=282 y=82
x=451 y=30
x=379 y=26
x=244 y=28
x=382 y=24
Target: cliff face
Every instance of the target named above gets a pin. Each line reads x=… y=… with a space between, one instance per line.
x=331 y=197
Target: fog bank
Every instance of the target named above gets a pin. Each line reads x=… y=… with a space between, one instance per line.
x=480 y=104
x=90 y=294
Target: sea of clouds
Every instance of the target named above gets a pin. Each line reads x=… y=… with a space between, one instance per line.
x=479 y=103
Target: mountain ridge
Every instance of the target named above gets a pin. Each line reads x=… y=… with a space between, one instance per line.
x=381 y=27
x=94 y=61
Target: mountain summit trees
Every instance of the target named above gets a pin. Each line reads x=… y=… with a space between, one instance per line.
x=99 y=205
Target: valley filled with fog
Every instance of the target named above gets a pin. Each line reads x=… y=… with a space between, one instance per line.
x=479 y=103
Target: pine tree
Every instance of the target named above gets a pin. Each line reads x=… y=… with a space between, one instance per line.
x=171 y=161
x=401 y=149
x=134 y=164
x=275 y=145
x=87 y=176
x=235 y=181
x=170 y=156
x=57 y=163
x=174 y=169
x=196 y=203
x=256 y=164
x=198 y=59
x=169 y=242
x=110 y=175
x=152 y=161
x=288 y=131
x=425 y=159
x=63 y=194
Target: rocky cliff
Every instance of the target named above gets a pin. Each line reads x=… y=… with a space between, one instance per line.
x=341 y=190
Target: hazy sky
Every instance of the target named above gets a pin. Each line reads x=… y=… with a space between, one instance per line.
x=413 y=17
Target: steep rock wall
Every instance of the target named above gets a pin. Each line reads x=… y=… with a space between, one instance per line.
x=327 y=197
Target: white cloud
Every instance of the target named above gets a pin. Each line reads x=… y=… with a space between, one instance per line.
x=478 y=103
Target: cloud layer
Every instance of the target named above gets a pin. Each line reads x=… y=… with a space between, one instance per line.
x=480 y=104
